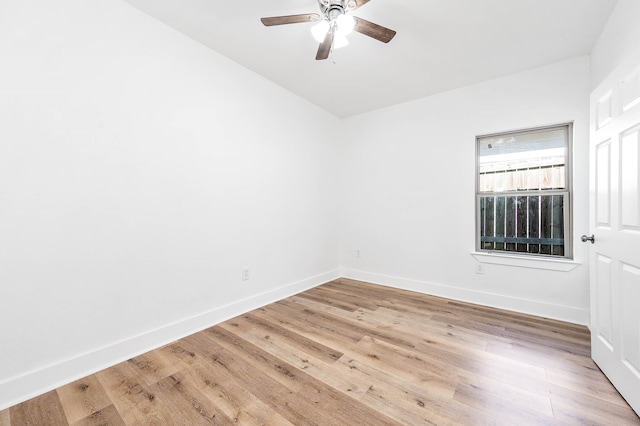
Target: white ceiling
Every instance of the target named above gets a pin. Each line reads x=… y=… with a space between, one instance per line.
x=440 y=44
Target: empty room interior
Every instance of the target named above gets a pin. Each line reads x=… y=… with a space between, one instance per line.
x=206 y=218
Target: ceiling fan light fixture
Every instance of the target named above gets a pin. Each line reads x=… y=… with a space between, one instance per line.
x=345 y=24
x=319 y=30
x=339 y=40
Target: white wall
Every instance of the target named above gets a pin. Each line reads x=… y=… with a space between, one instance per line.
x=139 y=171
x=409 y=185
x=618 y=40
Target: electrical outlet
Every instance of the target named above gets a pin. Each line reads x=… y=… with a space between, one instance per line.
x=246 y=274
x=479 y=268
x=358 y=253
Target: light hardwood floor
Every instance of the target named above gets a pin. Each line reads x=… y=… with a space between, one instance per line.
x=351 y=353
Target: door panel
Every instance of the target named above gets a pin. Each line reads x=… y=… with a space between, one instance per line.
x=631 y=318
x=629 y=179
x=603 y=110
x=603 y=184
x=631 y=89
x=603 y=300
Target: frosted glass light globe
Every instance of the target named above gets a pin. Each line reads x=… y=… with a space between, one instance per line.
x=339 y=40
x=345 y=24
x=319 y=30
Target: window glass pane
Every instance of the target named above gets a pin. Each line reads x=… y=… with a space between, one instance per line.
x=522 y=161
x=523 y=223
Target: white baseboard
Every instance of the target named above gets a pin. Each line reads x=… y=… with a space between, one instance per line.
x=23 y=387
x=533 y=307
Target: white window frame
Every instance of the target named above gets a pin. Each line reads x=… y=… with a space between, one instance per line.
x=567 y=204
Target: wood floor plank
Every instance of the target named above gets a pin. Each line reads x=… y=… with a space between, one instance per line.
x=133 y=400
x=276 y=368
x=307 y=390
x=508 y=412
x=217 y=383
x=349 y=326
x=248 y=374
x=409 y=402
x=337 y=298
x=317 y=321
x=230 y=397
x=331 y=373
x=539 y=356
x=413 y=327
x=578 y=408
x=106 y=416
x=151 y=367
x=341 y=410
x=428 y=329
x=322 y=334
x=42 y=410
x=5 y=418
x=580 y=383
x=298 y=406
x=83 y=398
x=408 y=364
x=186 y=404
x=531 y=403
x=294 y=339
x=351 y=353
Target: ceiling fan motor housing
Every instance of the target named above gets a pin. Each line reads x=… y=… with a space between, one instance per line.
x=331 y=9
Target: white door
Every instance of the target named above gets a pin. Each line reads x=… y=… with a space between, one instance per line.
x=615 y=224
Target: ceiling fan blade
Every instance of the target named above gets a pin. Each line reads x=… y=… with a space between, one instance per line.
x=373 y=30
x=325 y=47
x=290 y=19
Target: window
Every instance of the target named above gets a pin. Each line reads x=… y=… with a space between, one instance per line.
x=523 y=192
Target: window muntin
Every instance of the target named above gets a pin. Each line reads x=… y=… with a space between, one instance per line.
x=523 y=189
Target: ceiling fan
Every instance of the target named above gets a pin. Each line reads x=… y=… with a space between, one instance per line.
x=334 y=23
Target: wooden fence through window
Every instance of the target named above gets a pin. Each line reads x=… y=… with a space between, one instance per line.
x=523 y=223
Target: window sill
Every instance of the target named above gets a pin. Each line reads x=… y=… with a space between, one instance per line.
x=526 y=262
